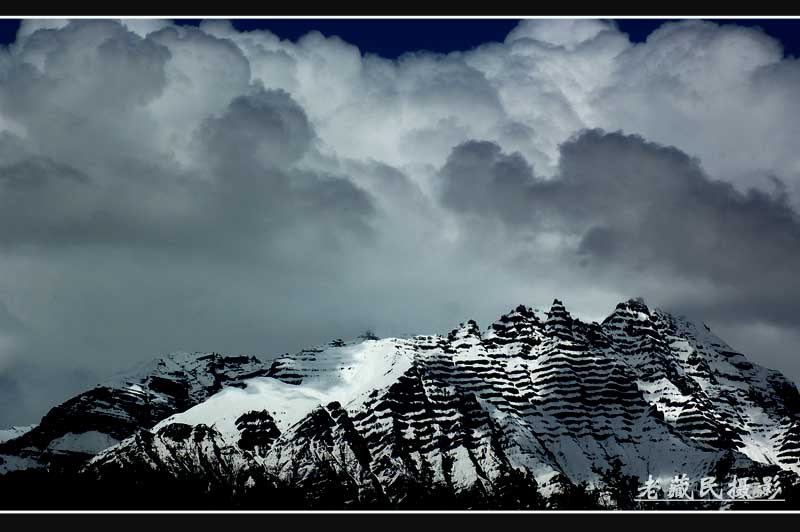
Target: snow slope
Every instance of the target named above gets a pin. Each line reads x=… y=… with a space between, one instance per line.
x=14 y=432
x=336 y=372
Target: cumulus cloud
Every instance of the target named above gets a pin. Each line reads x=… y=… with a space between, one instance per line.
x=173 y=188
x=633 y=207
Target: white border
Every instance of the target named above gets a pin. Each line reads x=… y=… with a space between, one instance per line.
x=417 y=17
x=395 y=512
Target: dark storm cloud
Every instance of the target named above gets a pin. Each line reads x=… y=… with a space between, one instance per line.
x=478 y=177
x=266 y=129
x=170 y=188
x=635 y=206
x=106 y=234
x=252 y=150
x=242 y=182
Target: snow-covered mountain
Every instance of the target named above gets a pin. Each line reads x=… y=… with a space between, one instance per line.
x=532 y=407
x=14 y=432
x=74 y=431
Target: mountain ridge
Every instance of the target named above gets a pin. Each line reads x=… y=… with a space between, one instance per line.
x=537 y=404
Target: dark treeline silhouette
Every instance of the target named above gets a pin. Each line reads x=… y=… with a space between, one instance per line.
x=40 y=490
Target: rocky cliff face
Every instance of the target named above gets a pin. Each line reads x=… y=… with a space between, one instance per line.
x=513 y=416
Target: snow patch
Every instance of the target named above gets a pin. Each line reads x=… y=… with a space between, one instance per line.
x=14 y=432
x=340 y=374
x=90 y=442
x=286 y=403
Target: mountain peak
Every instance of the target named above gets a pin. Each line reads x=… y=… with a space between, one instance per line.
x=557 y=309
x=642 y=387
x=559 y=321
x=519 y=314
x=635 y=304
x=634 y=309
x=468 y=330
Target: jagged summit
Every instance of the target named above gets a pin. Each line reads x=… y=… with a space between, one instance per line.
x=465 y=332
x=535 y=399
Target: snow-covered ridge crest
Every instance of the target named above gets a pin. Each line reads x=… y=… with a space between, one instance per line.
x=535 y=399
x=72 y=432
x=337 y=372
x=14 y=432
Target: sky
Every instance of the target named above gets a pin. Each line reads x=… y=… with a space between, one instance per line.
x=262 y=187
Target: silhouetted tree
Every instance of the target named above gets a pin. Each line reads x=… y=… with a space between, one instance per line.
x=622 y=489
x=518 y=490
x=369 y=335
x=576 y=497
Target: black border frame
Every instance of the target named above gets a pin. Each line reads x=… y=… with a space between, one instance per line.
x=517 y=521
